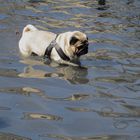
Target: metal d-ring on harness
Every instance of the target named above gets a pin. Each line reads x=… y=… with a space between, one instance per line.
x=52 y=45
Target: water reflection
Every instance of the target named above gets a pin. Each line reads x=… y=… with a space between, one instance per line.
x=36 y=1
x=4 y=108
x=73 y=74
x=98 y=137
x=74 y=97
x=105 y=112
x=8 y=72
x=34 y=116
x=9 y=136
x=30 y=72
x=133 y=109
x=102 y=5
x=27 y=91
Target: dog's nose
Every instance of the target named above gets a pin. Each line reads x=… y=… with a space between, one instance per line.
x=86 y=43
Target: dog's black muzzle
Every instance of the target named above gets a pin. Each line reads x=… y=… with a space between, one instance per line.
x=83 y=49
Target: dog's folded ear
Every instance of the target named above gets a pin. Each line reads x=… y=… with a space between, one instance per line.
x=73 y=40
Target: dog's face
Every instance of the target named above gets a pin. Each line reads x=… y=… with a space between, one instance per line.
x=79 y=43
x=75 y=43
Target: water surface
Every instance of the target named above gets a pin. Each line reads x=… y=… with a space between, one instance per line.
x=43 y=101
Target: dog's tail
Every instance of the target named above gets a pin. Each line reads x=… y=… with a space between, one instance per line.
x=28 y=28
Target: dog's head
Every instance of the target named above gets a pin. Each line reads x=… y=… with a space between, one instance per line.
x=78 y=43
x=74 y=44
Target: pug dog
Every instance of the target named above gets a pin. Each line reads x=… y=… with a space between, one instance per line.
x=62 y=48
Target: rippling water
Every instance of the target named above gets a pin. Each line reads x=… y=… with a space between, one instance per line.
x=100 y=101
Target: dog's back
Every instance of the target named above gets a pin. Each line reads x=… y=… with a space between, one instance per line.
x=34 y=40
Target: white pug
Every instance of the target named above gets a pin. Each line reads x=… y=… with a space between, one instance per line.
x=65 y=47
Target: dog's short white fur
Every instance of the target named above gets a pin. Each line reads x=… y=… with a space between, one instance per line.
x=36 y=41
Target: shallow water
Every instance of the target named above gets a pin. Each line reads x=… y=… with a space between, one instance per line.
x=100 y=101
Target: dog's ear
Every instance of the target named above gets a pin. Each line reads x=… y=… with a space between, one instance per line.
x=73 y=40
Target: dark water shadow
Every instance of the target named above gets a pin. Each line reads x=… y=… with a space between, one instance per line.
x=3 y=123
x=73 y=97
x=102 y=5
x=8 y=72
x=10 y=136
x=4 y=108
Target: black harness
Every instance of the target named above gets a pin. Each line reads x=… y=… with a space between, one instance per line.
x=52 y=45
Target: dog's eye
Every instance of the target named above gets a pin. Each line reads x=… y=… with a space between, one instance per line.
x=73 y=40
x=85 y=41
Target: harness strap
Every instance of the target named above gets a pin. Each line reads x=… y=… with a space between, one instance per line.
x=61 y=53
x=49 y=49
x=52 y=45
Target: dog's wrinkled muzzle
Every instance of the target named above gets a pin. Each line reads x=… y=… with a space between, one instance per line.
x=82 y=49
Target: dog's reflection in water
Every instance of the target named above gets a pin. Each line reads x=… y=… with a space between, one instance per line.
x=73 y=74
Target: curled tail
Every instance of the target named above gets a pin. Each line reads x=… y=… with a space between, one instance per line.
x=28 y=28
